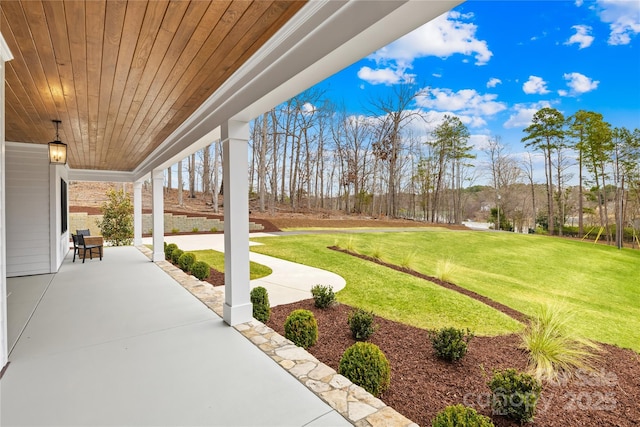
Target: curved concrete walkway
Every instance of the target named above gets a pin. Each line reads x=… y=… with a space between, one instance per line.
x=289 y=282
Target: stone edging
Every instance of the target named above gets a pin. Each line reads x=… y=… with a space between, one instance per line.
x=352 y=402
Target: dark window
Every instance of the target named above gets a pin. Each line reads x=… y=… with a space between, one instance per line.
x=63 y=204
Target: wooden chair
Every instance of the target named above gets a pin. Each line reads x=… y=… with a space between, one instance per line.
x=79 y=244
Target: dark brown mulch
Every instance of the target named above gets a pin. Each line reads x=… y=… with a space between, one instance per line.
x=515 y=314
x=422 y=385
x=216 y=278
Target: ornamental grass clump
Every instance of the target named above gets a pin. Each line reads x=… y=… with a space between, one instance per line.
x=301 y=328
x=554 y=348
x=323 y=296
x=260 y=300
x=200 y=270
x=367 y=366
x=361 y=323
x=445 y=269
x=460 y=416
x=450 y=344
x=514 y=395
x=376 y=253
x=408 y=260
x=186 y=260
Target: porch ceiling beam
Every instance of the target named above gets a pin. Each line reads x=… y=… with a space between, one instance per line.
x=102 y=175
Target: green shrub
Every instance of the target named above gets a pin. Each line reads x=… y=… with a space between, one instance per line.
x=213 y=229
x=553 y=347
x=361 y=324
x=450 y=344
x=168 y=250
x=460 y=416
x=260 y=301
x=366 y=365
x=301 y=328
x=514 y=395
x=116 y=225
x=175 y=255
x=195 y=230
x=200 y=270
x=323 y=296
x=175 y=231
x=186 y=260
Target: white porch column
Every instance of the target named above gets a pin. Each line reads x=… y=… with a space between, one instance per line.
x=137 y=213
x=157 y=180
x=5 y=55
x=237 y=305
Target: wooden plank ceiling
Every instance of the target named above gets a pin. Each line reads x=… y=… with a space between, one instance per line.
x=123 y=75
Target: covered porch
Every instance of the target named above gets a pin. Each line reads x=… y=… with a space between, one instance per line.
x=139 y=86
x=120 y=342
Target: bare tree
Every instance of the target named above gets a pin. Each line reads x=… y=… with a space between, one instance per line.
x=217 y=153
x=393 y=113
x=180 y=183
x=528 y=171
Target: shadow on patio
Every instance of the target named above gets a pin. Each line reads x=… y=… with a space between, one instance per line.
x=119 y=342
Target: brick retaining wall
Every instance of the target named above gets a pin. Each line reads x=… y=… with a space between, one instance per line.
x=181 y=223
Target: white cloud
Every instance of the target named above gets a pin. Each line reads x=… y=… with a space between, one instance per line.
x=443 y=37
x=493 y=82
x=623 y=17
x=465 y=102
x=579 y=84
x=435 y=118
x=523 y=114
x=582 y=37
x=535 y=85
x=386 y=76
x=308 y=107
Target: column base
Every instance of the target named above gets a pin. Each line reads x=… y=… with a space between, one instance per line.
x=234 y=315
x=158 y=256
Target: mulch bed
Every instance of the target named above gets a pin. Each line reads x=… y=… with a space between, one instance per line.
x=422 y=384
x=216 y=278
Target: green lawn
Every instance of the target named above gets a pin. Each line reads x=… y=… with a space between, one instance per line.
x=388 y=293
x=599 y=284
x=215 y=260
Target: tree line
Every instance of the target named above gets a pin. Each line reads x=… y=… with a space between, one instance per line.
x=309 y=154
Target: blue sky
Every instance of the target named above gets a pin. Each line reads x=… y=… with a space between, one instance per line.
x=495 y=63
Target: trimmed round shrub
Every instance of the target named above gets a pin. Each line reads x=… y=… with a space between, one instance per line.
x=168 y=250
x=186 y=260
x=450 y=344
x=323 y=296
x=367 y=366
x=361 y=324
x=200 y=269
x=460 y=416
x=514 y=395
x=260 y=301
x=175 y=255
x=301 y=327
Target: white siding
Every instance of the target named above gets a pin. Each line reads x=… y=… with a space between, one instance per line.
x=27 y=205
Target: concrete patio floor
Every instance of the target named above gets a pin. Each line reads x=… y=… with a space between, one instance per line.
x=119 y=342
